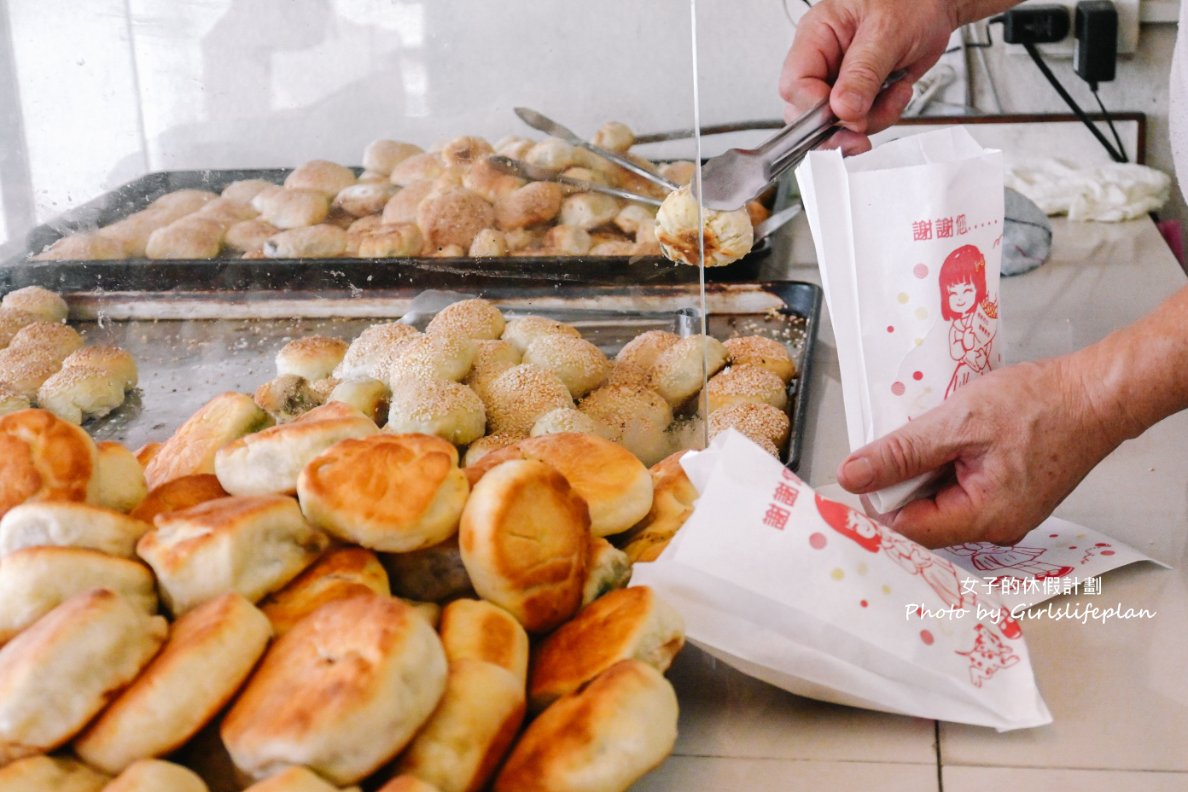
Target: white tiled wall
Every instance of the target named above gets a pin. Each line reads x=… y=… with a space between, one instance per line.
x=111 y=89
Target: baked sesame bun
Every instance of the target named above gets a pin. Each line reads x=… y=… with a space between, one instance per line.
x=46 y=305
x=270 y=461
x=119 y=478
x=576 y=362
x=680 y=371
x=523 y=540
x=608 y=569
x=89 y=246
x=491 y=358
x=341 y=693
x=635 y=416
x=628 y=623
x=421 y=167
x=462 y=744
x=24 y=371
x=179 y=494
x=746 y=384
x=435 y=574
x=523 y=331
x=43 y=457
x=117 y=363
x=383 y=155
x=476 y=318
x=569 y=419
x=182 y=202
x=488 y=443
x=685 y=229
x=643 y=350
x=453 y=216
x=154 y=775
x=244 y=190
x=368 y=355
x=12 y=400
x=340 y=573
x=476 y=630
x=217 y=643
x=78 y=394
x=432 y=357
x=11 y=322
x=36 y=580
x=531 y=205
x=249 y=236
x=393 y=493
x=672 y=503
x=368 y=396
x=249 y=545
x=312 y=357
x=98 y=641
x=69 y=524
x=756 y=420
x=188 y=238
x=192 y=447
x=286 y=397
x=759 y=351
x=55 y=339
x=294 y=779
x=518 y=397
x=326 y=177
x=600 y=739
x=363 y=200
x=614 y=484
x=439 y=407
x=45 y=773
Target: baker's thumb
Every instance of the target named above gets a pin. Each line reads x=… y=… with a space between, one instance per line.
x=865 y=67
x=915 y=448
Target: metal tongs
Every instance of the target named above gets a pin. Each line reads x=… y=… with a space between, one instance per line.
x=523 y=170
x=547 y=125
x=731 y=179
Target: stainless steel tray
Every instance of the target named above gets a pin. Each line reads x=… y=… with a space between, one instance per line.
x=186 y=361
x=240 y=275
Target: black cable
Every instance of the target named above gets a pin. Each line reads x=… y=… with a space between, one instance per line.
x=1076 y=108
x=989 y=43
x=1110 y=121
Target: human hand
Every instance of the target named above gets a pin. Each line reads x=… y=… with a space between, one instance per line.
x=854 y=45
x=1016 y=441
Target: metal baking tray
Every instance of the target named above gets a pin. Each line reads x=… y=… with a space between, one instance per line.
x=236 y=274
x=184 y=362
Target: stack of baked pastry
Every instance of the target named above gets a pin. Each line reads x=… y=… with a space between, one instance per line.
x=43 y=361
x=449 y=201
x=321 y=602
x=483 y=381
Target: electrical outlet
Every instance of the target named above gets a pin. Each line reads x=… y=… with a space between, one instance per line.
x=1128 y=29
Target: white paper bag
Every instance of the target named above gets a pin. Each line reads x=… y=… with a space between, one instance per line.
x=816 y=598
x=908 y=239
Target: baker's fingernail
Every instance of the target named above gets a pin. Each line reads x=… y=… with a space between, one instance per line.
x=854 y=103
x=858 y=472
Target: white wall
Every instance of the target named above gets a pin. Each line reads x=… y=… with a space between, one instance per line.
x=111 y=89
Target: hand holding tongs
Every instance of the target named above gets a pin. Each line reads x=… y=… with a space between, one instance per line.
x=731 y=179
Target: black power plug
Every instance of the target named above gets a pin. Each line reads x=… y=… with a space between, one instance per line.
x=1035 y=24
x=1096 y=53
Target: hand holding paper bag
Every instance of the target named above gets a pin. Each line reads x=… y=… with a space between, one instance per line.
x=908 y=238
x=812 y=596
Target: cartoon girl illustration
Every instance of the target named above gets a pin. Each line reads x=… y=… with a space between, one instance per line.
x=940 y=575
x=971 y=314
x=990 y=653
x=987 y=557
